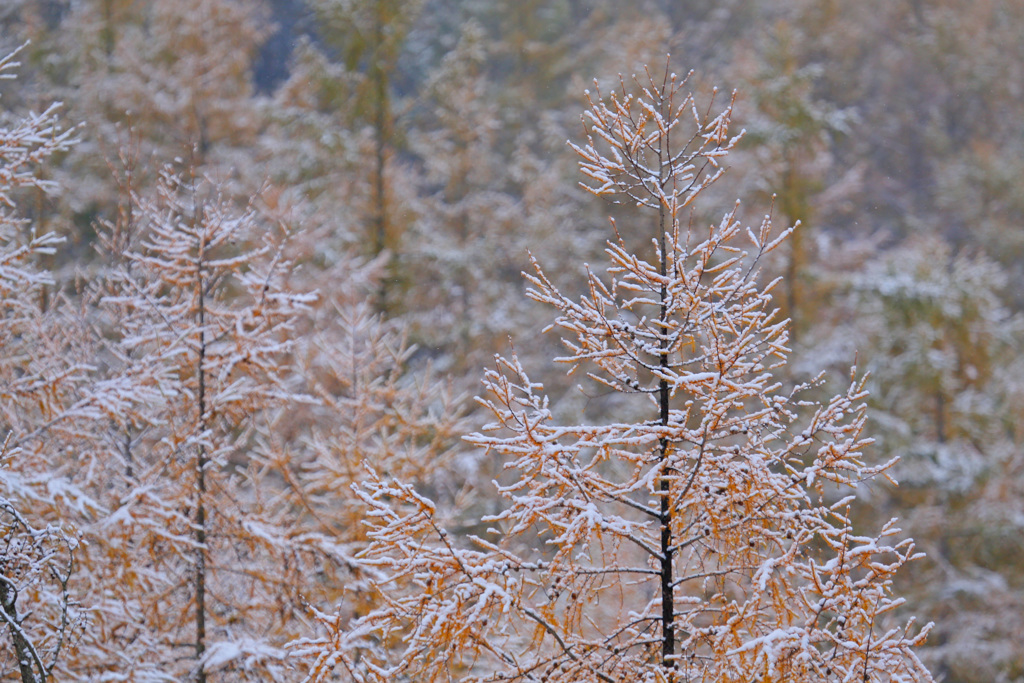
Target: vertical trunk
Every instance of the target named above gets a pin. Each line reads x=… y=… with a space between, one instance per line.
x=668 y=633
x=48 y=263
x=379 y=77
x=200 y=567
x=201 y=460
x=794 y=209
x=107 y=33
x=129 y=460
x=123 y=233
x=792 y=287
x=22 y=648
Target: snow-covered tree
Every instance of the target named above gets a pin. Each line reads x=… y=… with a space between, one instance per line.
x=44 y=399
x=936 y=333
x=790 y=133
x=368 y=37
x=253 y=408
x=199 y=325
x=702 y=535
x=317 y=148
x=370 y=410
x=933 y=328
x=37 y=562
x=488 y=187
x=159 y=79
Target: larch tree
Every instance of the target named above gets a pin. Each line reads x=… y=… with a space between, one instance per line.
x=165 y=78
x=477 y=209
x=47 y=394
x=199 y=326
x=369 y=402
x=934 y=328
x=37 y=561
x=703 y=535
x=369 y=37
x=792 y=131
x=248 y=410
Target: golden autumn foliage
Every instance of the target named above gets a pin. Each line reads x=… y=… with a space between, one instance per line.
x=44 y=400
x=705 y=535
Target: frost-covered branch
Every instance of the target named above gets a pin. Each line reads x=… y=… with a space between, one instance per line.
x=709 y=538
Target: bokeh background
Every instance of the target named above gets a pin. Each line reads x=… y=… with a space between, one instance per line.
x=424 y=144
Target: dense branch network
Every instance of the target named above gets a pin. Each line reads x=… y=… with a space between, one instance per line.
x=710 y=540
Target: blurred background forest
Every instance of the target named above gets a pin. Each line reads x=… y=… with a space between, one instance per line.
x=420 y=145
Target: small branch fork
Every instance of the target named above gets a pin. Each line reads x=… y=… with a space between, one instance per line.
x=29 y=556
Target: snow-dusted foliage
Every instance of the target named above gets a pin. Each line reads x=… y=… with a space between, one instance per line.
x=164 y=78
x=491 y=185
x=42 y=402
x=200 y=325
x=936 y=333
x=709 y=541
x=37 y=563
x=367 y=408
x=934 y=326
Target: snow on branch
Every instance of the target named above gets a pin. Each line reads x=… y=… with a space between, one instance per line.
x=700 y=530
